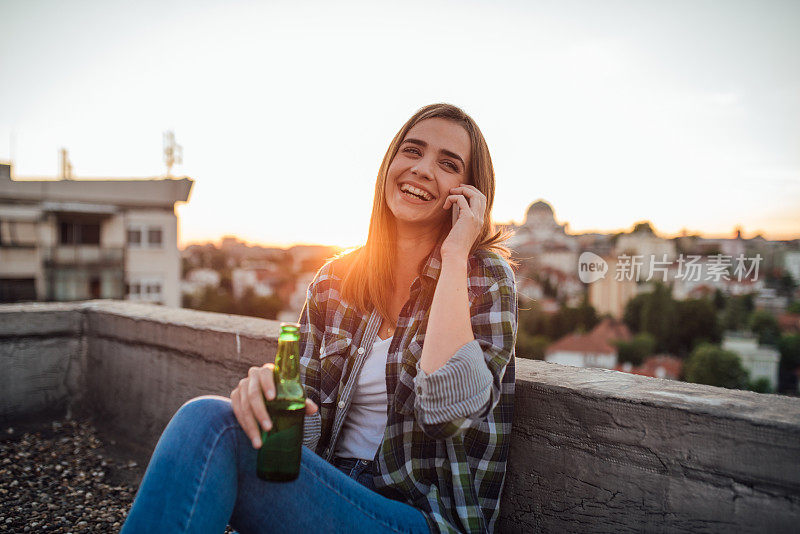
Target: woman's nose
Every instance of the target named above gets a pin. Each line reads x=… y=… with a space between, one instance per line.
x=423 y=168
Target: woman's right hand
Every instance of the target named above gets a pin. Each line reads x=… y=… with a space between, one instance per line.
x=248 y=403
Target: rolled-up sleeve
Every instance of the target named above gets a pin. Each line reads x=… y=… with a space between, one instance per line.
x=467 y=387
x=460 y=388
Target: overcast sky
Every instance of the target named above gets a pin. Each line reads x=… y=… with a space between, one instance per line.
x=684 y=113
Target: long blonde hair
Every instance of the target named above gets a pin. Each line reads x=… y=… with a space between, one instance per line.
x=368 y=277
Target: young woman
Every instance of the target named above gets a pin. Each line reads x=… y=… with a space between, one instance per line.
x=407 y=355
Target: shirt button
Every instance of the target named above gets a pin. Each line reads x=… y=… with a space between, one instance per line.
x=341 y=404
x=364 y=462
x=361 y=350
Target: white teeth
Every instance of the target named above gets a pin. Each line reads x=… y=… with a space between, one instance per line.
x=416 y=191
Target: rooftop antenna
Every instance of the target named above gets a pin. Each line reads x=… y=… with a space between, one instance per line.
x=173 y=152
x=66 y=165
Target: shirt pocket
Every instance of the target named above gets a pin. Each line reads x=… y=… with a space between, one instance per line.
x=332 y=356
x=405 y=394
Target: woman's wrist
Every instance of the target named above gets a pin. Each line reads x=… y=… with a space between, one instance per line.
x=454 y=261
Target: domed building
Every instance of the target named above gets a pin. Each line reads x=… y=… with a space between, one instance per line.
x=540 y=231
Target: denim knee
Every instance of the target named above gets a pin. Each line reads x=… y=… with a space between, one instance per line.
x=207 y=409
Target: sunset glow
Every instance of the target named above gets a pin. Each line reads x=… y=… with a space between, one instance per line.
x=681 y=113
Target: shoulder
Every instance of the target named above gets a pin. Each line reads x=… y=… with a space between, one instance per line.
x=488 y=270
x=331 y=274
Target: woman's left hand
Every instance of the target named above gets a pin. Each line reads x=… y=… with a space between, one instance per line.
x=472 y=206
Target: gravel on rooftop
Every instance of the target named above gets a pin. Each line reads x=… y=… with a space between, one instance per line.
x=56 y=480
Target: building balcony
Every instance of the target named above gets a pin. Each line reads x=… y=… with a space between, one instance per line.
x=592 y=450
x=83 y=256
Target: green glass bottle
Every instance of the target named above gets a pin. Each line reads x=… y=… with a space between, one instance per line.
x=279 y=455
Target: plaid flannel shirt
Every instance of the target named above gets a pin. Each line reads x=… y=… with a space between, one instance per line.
x=447 y=435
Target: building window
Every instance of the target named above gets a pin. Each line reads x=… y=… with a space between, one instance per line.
x=154 y=237
x=142 y=236
x=145 y=290
x=134 y=237
x=17 y=289
x=79 y=233
x=18 y=233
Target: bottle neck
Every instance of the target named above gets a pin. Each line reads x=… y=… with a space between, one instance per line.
x=287 y=370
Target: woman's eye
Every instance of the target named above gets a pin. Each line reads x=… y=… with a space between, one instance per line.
x=452 y=165
x=411 y=149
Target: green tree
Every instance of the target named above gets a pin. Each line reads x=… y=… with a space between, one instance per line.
x=637 y=349
x=719 y=299
x=696 y=323
x=760 y=385
x=218 y=260
x=711 y=365
x=764 y=325
x=659 y=318
x=535 y=322
x=254 y=306
x=786 y=284
x=794 y=307
x=531 y=347
x=734 y=316
x=632 y=316
x=789 y=347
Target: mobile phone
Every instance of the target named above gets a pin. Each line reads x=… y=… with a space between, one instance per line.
x=455 y=213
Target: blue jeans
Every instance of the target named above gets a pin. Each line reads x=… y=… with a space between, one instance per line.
x=202 y=477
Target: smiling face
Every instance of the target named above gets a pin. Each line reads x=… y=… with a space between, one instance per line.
x=433 y=157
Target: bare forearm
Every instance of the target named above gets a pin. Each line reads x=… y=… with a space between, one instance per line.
x=449 y=326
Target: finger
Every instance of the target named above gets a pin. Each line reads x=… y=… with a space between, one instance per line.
x=476 y=199
x=266 y=376
x=256 y=399
x=467 y=190
x=311 y=407
x=235 y=406
x=248 y=423
x=450 y=200
x=462 y=203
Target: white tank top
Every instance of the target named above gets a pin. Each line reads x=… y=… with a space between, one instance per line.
x=362 y=431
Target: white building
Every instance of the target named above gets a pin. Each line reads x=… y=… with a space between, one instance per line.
x=791 y=262
x=593 y=349
x=198 y=279
x=609 y=294
x=259 y=281
x=540 y=232
x=645 y=243
x=759 y=360
x=83 y=239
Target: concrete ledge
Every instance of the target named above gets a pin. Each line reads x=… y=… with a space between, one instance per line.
x=39 y=320
x=600 y=451
x=592 y=450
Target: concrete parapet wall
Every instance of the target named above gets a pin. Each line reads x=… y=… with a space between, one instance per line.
x=592 y=450
x=603 y=451
x=42 y=359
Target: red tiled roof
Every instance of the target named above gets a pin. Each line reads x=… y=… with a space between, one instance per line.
x=789 y=322
x=599 y=341
x=672 y=367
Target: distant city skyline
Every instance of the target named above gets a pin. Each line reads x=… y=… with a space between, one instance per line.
x=680 y=113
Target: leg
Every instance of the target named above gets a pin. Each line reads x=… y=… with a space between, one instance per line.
x=190 y=483
x=322 y=500
x=202 y=475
